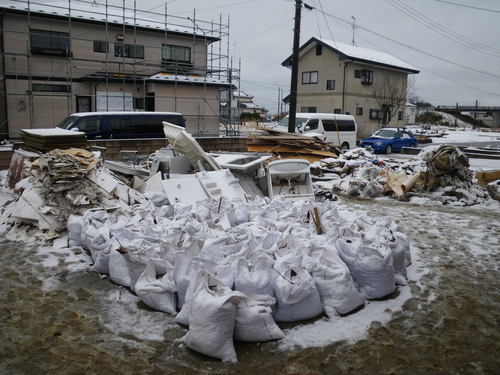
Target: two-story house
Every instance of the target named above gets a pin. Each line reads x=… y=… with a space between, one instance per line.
x=77 y=56
x=339 y=78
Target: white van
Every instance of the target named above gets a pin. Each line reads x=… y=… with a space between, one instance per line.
x=337 y=129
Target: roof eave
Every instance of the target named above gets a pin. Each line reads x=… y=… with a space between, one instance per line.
x=210 y=39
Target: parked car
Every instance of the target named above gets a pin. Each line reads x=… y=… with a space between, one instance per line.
x=102 y=125
x=334 y=128
x=390 y=140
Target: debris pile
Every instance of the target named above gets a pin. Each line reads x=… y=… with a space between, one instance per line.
x=45 y=140
x=64 y=182
x=439 y=173
x=291 y=145
x=233 y=269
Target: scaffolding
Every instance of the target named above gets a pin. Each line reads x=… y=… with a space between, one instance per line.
x=80 y=55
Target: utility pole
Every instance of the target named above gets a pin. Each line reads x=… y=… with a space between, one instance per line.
x=279 y=101
x=353 y=25
x=295 y=68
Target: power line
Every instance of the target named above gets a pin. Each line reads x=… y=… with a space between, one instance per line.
x=327 y=24
x=447 y=33
x=430 y=71
x=468 y=6
x=217 y=6
x=489 y=74
x=264 y=31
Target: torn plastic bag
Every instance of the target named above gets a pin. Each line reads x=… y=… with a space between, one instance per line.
x=74 y=225
x=335 y=285
x=156 y=288
x=371 y=268
x=212 y=319
x=256 y=279
x=254 y=319
x=296 y=295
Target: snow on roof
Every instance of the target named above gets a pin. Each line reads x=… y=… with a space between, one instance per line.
x=142 y=113
x=171 y=77
x=94 y=11
x=51 y=132
x=361 y=53
x=408 y=104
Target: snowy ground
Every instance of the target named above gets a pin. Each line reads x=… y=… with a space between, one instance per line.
x=55 y=315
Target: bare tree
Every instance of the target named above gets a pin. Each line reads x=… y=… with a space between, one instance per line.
x=391 y=94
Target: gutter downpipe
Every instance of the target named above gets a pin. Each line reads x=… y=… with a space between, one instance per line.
x=346 y=62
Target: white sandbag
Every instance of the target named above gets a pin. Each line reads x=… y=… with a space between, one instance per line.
x=335 y=286
x=183 y=274
x=212 y=319
x=222 y=272
x=258 y=279
x=74 y=225
x=95 y=239
x=372 y=268
x=156 y=288
x=118 y=269
x=296 y=295
x=254 y=320
x=238 y=215
x=397 y=247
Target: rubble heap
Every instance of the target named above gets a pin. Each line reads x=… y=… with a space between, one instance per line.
x=233 y=269
x=438 y=173
x=60 y=183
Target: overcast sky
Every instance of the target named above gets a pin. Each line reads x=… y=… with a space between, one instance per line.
x=262 y=30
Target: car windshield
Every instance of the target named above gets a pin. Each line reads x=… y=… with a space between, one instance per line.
x=299 y=121
x=385 y=133
x=67 y=122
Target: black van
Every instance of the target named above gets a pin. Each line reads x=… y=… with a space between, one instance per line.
x=103 y=125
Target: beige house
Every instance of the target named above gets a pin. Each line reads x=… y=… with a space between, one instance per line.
x=339 y=78
x=246 y=105
x=93 y=57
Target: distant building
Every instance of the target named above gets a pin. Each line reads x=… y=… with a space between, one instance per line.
x=410 y=113
x=247 y=106
x=340 y=78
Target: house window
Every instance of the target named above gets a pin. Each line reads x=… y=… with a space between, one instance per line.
x=49 y=43
x=309 y=77
x=176 y=53
x=319 y=49
x=357 y=73
x=400 y=115
x=366 y=77
x=129 y=50
x=330 y=84
x=337 y=111
x=376 y=114
x=359 y=111
x=139 y=103
x=43 y=87
x=308 y=109
x=100 y=46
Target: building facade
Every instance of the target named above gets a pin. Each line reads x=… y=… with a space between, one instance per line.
x=338 y=78
x=247 y=107
x=91 y=57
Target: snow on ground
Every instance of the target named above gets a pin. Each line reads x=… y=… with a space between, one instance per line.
x=467 y=136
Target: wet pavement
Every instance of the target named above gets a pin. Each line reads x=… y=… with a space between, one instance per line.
x=56 y=317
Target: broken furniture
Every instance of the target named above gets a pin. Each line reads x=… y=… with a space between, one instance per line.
x=290 y=179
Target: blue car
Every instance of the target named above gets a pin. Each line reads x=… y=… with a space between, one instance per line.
x=390 y=140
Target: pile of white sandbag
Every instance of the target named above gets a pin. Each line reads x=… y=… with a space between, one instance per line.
x=231 y=270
